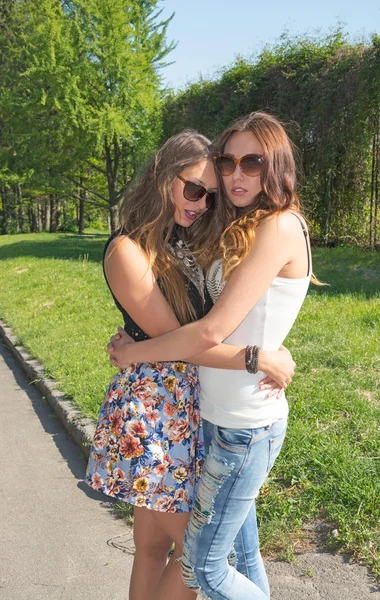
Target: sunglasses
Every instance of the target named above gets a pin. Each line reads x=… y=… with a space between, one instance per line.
x=250 y=164
x=194 y=192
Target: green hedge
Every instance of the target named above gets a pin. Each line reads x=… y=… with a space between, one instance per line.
x=327 y=91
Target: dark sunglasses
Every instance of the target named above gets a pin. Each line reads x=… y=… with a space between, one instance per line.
x=250 y=164
x=194 y=192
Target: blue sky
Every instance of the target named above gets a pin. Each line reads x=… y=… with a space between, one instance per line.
x=210 y=33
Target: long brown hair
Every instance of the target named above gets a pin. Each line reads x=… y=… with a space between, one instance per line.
x=278 y=183
x=147 y=215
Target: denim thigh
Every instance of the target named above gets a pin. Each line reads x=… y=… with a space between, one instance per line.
x=237 y=464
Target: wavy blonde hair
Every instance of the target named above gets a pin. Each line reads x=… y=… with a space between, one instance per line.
x=278 y=183
x=147 y=216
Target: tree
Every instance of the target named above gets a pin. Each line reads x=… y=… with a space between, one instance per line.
x=84 y=76
x=120 y=46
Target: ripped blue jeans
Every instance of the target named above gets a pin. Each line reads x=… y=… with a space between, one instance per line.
x=237 y=463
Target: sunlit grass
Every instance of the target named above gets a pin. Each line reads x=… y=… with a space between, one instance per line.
x=53 y=295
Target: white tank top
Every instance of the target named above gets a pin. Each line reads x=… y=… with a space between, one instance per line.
x=233 y=398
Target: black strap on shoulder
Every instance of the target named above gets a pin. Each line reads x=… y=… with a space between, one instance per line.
x=305 y=232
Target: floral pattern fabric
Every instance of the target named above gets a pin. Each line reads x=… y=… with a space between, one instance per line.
x=148 y=446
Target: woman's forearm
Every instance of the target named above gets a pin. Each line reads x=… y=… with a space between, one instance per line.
x=178 y=344
x=278 y=365
x=222 y=356
x=227 y=357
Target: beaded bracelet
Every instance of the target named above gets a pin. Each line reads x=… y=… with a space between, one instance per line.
x=252 y=359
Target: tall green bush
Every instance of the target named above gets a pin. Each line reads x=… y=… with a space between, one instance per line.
x=327 y=92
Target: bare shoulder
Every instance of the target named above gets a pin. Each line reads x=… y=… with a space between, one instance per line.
x=125 y=260
x=282 y=224
x=122 y=248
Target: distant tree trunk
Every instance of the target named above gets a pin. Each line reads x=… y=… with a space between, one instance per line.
x=53 y=226
x=34 y=217
x=114 y=218
x=64 y=212
x=112 y=180
x=9 y=212
x=16 y=205
x=12 y=225
x=47 y=215
x=55 y=212
x=20 y=209
x=21 y=218
x=328 y=208
x=30 y=218
x=43 y=214
x=3 y=225
x=376 y=184
x=371 y=207
x=39 y=214
x=125 y=172
x=83 y=196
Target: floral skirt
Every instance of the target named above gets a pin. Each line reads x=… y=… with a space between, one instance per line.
x=148 y=446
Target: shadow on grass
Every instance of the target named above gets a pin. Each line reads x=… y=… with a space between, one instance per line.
x=346 y=270
x=60 y=246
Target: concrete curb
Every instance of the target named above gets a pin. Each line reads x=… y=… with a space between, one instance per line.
x=80 y=429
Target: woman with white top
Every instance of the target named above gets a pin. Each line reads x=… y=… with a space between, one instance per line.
x=264 y=257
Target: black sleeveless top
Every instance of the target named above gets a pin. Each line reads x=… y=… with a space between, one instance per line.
x=201 y=305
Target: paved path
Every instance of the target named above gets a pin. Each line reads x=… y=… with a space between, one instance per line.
x=53 y=528
x=55 y=532
x=321 y=576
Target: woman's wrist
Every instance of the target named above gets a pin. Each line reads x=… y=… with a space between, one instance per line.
x=262 y=360
x=127 y=359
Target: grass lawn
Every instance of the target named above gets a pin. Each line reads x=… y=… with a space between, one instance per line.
x=53 y=295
